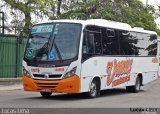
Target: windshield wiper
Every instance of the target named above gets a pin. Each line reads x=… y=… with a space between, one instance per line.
x=55 y=45
x=44 y=49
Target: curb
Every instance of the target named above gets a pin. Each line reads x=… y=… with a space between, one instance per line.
x=10 y=79
x=7 y=84
x=13 y=87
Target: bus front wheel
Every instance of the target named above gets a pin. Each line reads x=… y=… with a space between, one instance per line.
x=94 y=90
x=46 y=94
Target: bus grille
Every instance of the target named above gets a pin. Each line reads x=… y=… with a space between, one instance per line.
x=47 y=85
x=50 y=76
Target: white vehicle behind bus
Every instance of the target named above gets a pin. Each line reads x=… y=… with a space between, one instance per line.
x=77 y=56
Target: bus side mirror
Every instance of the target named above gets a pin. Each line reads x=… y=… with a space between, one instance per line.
x=20 y=37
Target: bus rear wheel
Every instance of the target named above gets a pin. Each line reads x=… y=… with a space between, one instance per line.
x=46 y=94
x=136 y=88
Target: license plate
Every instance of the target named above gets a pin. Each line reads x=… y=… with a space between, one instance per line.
x=46 y=90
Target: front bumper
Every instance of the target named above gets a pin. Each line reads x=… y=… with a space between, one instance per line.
x=68 y=85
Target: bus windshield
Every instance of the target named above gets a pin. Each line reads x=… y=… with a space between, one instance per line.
x=53 y=41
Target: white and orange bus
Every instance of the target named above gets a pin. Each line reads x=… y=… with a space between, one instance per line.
x=77 y=56
x=159 y=54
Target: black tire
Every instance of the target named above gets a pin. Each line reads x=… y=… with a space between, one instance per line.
x=136 y=88
x=46 y=94
x=94 y=90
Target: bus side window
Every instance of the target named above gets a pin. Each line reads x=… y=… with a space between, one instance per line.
x=91 y=42
x=152 y=45
x=110 y=41
x=88 y=43
x=106 y=43
x=85 y=47
x=110 y=32
x=98 y=43
x=127 y=43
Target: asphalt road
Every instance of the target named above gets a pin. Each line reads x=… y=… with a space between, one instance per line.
x=149 y=96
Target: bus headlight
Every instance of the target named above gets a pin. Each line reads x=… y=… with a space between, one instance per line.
x=70 y=73
x=26 y=73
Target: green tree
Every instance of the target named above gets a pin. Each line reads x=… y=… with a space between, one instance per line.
x=27 y=7
x=133 y=12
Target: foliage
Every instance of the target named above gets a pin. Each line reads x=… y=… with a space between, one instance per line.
x=132 y=12
x=27 y=7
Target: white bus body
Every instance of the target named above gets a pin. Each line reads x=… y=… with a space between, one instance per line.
x=104 y=60
x=159 y=54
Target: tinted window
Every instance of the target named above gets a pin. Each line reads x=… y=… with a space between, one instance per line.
x=127 y=43
x=110 y=45
x=89 y=41
x=108 y=41
x=92 y=42
x=134 y=43
x=152 y=45
x=142 y=44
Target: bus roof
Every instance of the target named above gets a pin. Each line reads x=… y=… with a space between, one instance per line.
x=104 y=23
